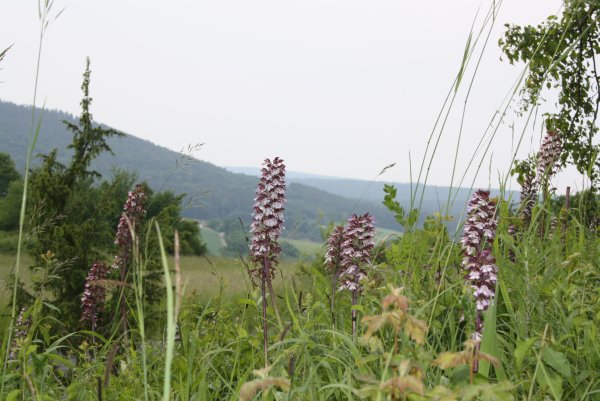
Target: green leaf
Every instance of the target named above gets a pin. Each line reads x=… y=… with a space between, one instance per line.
x=12 y=396
x=557 y=361
x=550 y=381
x=489 y=343
x=522 y=350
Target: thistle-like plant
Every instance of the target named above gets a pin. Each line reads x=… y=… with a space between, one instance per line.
x=94 y=292
x=478 y=261
x=266 y=228
x=355 y=256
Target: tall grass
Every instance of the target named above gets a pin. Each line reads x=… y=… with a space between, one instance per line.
x=44 y=15
x=540 y=334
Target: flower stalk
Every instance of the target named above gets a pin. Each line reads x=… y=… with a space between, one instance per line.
x=356 y=252
x=332 y=261
x=266 y=229
x=129 y=224
x=478 y=261
x=94 y=294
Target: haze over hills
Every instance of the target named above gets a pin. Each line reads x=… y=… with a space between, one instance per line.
x=214 y=192
x=219 y=193
x=435 y=198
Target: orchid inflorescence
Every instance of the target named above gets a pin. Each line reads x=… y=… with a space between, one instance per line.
x=94 y=293
x=266 y=228
x=547 y=164
x=477 y=240
x=133 y=212
x=21 y=330
x=355 y=251
x=267 y=224
x=334 y=248
x=549 y=156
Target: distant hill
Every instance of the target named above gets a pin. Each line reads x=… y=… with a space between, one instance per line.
x=214 y=192
x=435 y=198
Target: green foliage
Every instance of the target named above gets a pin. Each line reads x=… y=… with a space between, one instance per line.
x=8 y=243
x=561 y=54
x=548 y=309
x=89 y=140
x=10 y=206
x=165 y=208
x=237 y=244
x=405 y=219
x=73 y=217
x=584 y=205
x=8 y=173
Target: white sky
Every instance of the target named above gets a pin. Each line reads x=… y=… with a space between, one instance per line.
x=335 y=87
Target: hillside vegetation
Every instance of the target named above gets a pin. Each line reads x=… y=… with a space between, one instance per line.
x=213 y=192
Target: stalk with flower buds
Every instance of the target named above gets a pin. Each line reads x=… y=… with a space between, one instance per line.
x=333 y=259
x=356 y=249
x=94 y=293
x=129 y=224
x=479 y=263
x=266 y=228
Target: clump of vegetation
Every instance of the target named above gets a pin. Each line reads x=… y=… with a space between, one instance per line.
x=512 y=314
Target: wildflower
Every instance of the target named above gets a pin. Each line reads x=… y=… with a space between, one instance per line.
x=356 y=249
x=549 y=156
x=268 y=215
x=529 y=189
x=266 y=228
x=93 y=293
x=333 y=259
x=479 y=263
x=21 y=330
x=133 y=212
x=334 y=247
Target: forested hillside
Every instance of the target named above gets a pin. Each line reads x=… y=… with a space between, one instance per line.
x=213 y=192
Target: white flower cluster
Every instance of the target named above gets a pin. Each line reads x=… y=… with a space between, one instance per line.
x=355 y=251
x=477 y=240
x=269 y=203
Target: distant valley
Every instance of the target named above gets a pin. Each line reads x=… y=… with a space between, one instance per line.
x=218 y=193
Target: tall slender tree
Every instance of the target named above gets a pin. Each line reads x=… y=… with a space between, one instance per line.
x=70 y=219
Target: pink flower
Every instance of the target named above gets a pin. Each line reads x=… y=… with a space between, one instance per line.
x=477 y=240
x=267 y=224
x=334 y=248
x=133 y=213
x=549 y=156
x=356 y=248
x=94 y=293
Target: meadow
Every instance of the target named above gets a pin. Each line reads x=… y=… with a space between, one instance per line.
x=507 y=307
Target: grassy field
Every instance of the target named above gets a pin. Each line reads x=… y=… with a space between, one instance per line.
x=7 y=264
x=310 y=248
x=213 y=240
x=204 y=277
x=207 y=278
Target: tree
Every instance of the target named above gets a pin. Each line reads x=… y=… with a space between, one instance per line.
x=8 y=173
x=165 y=207
x=561 y=52
x=10 y=206
x=71 y=216
x=88 y=140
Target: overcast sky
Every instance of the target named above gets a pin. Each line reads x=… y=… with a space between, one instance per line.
x=335 y=87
